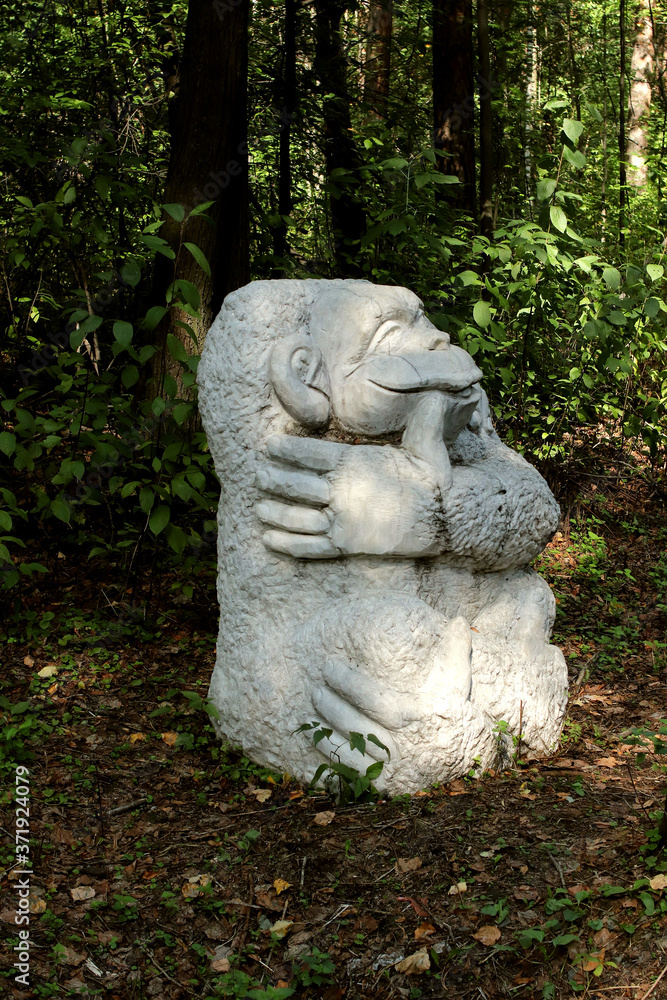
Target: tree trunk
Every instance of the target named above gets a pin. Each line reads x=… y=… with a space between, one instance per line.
x=532 y=62
x=621 y=127
x=377 y=63
x=348 y=218
x=454 y=95
x=288 y=94
x=485 y=121
x=208 y=162
x=641 y=74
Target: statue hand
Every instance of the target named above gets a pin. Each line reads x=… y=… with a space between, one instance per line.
x=329 y=499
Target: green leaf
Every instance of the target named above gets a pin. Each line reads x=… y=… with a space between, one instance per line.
x=558 y=218
x=177 y=212
x=7 y=443
x=199 y=257
x=651 y=308
x=60 y=510
x=575 y=157
x=198 y=209
x=655 y=271
x=357 y=742
x=5 y=521
x=153 y=316
x=130 y=272
x=469 y=278
x=481 y=313
x=612 y=278
x=545 y=188
x=374 y=771
x=177 y=538
x=565 y=939
x=176 y=349
x=130 y=376
x=573 y=129
x=159 y=518
x=123 y=331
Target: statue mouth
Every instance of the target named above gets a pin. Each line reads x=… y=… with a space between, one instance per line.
x=451 y=370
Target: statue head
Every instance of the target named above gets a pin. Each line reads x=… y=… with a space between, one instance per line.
x=369 y=358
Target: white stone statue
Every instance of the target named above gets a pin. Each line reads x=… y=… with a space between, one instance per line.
x=374 y=540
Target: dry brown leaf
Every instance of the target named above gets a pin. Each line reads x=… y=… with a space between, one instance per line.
x=195 y=885
x=324 y=818
x=48 y=671
x=261 y=794
x=137 y=737
x=658 y=883
x=35 y=904
x=414 y=965
x=602 y=937
x=606 y=762
x=82 y=892
x=424 y=930
x=221 y=966
x=28 y=661
x=169 y=738
x=280 y=885
x=70 y=957
x=458 y=889
x=487 y=935
x=407 y=865
x=7 y=916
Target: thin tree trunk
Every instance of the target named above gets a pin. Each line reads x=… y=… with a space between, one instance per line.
x=347 y=214
x=377 y=63
x=531 y=98
x=485 y=121
x=286 y=113
x=641 y=73
x=621 y=130
x=605 y=162
x=574 y=69
x=454 y=95
x=208 y=162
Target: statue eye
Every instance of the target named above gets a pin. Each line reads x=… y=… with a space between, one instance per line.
x=386 y=337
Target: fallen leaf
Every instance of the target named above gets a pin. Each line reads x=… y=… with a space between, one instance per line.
x=7 y=916
x=416 y=904
x=606 y=762
x=324 y=818
x=280 y=885
x=70 y=957
x=48 y=671
x=424 y=930
x=414 y=965
x=261 y=794
x=407 y=865
x=603 y=937
x=137 y=737
x=82 y=892
x=458 y=889
x=487 y=935
x=281 y=928
x=221 y=966
x=28 y=661
x=169 y=738
x=658 y=882
x=35 y=904
x=195 y=885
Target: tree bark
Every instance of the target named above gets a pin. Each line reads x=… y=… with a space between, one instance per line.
x=208 y=162
x=288 y=94
x=532 y=63
x=348 y=218
x=485 y=121
x=641 y=74
x=622 y=173
x=377 y=62
x=454 y=95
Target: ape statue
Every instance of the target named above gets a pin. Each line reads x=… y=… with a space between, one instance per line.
x=374 y=540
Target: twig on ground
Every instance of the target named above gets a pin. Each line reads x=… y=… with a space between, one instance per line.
x=558 y=869
x=648 y=993
x=129 y=806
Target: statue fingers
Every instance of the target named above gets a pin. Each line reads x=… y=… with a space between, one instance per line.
x=301 y=546
x=292 y=484
x=293 y=517
x=383 y=704
x=346 y=718
x=306 y=453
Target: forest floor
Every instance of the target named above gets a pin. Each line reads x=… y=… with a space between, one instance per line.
x=165 y=865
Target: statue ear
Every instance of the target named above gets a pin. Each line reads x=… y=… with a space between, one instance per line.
x=299 y=377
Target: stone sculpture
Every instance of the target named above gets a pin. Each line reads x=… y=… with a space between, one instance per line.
x=374 y=540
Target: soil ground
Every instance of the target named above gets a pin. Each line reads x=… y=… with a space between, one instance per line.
x=166 y=865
